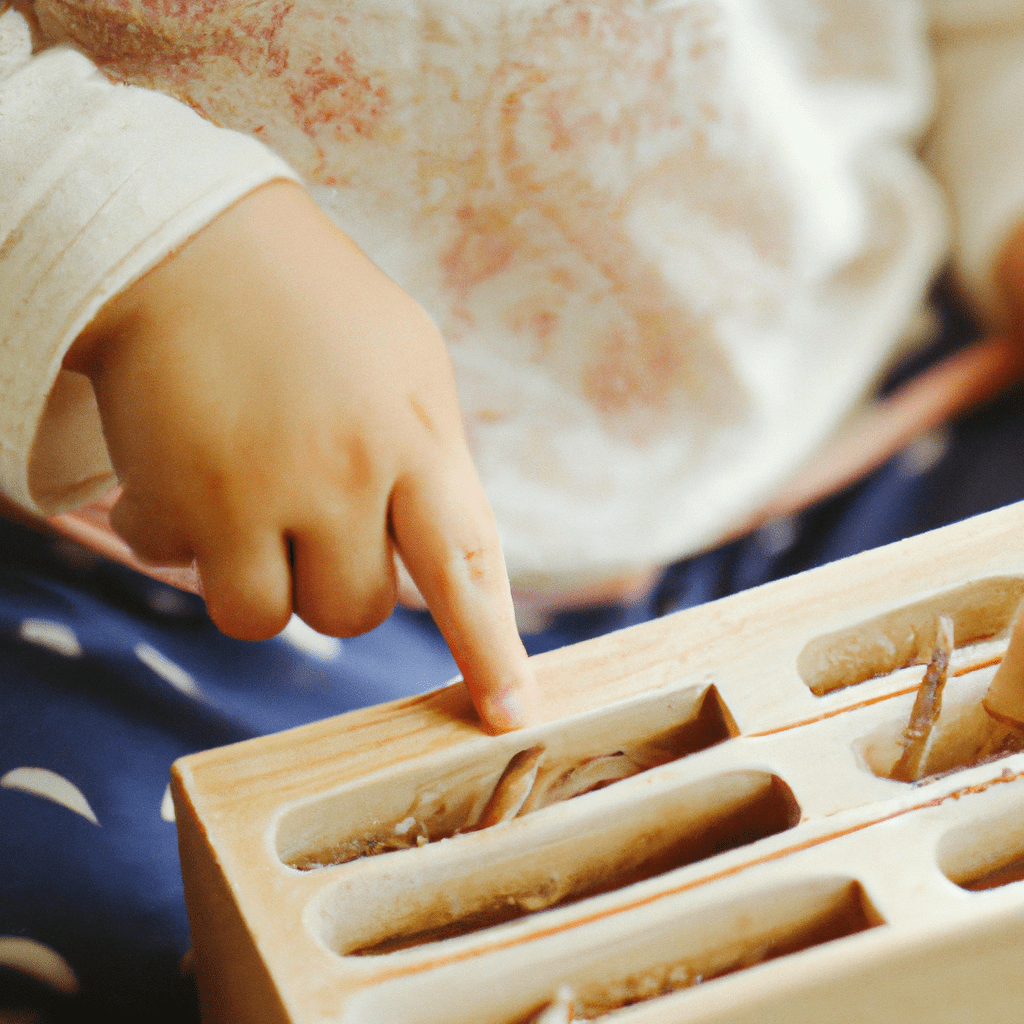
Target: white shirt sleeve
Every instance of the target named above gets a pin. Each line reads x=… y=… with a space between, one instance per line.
x=976 y=149
x=98 y=183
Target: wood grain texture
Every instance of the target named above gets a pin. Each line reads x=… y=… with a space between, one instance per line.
x=761 y=865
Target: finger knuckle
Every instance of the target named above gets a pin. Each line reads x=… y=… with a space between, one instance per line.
x=353 y=614
x=243 y=611
x=246 y=622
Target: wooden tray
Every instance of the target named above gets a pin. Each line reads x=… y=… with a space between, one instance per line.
x=762 y=868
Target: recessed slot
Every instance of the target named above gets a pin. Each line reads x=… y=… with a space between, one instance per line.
x=557 y=861
x=987 y=853
x=486 y=782
x=1013 y=871
x=642 y=954
x=958 y=738
x=844 y=913
x=980 y=611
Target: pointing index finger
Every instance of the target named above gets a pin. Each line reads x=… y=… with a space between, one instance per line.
x=445 y=532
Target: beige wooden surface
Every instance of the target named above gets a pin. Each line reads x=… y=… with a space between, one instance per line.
x=806 y=684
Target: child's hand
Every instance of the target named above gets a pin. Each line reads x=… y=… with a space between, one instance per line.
x=280 y=411
x=1009 y=279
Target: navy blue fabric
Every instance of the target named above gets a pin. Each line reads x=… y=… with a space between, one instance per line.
x=106 y=895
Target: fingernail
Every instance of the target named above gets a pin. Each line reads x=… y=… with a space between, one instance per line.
x=507 y=710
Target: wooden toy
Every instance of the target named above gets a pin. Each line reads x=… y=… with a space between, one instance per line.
x=710 y=826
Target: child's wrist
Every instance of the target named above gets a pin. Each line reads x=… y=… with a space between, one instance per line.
x=1009 y=278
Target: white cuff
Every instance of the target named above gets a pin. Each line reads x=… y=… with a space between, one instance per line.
x=101 y=182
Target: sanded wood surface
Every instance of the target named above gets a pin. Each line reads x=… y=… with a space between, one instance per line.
x=704 y=828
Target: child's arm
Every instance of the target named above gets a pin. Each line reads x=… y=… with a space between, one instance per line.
x=259 y=389
x=1009 y=279
x=280 y=410
x=976 y=145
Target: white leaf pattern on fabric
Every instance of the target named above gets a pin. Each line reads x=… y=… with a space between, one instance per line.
x=54 y=635
x=50 y=786
x=38 y=961
x=778 y=535
x=167 y=806
x=168 y=670
x=924 y=453
x=168 y=601
x=309 y=641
